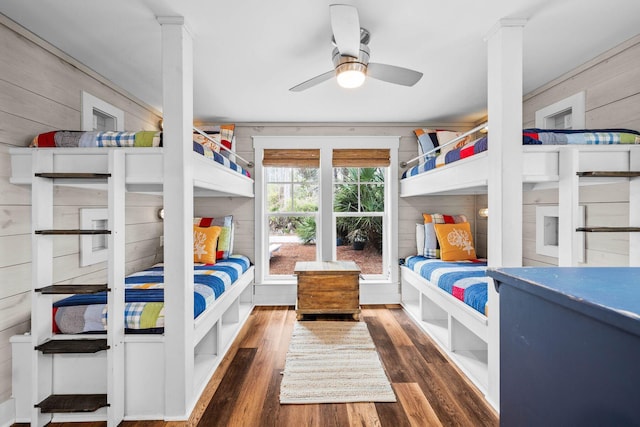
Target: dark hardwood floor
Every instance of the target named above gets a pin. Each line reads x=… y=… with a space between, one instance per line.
x=244 y=390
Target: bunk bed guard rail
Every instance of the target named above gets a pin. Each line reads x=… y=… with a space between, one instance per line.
x=453 y=141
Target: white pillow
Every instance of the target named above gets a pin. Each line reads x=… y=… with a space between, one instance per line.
x=420 y=239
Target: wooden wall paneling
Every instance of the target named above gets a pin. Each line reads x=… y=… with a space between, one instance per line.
x=15 y=219
x=602 y=71
x=18 y=131
x=25 y=103
x=14 y=310
x=63 y=81
x=624 y=113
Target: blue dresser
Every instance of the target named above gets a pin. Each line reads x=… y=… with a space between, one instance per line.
x=569 y=346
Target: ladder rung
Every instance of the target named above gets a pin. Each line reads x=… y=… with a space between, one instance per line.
x=608 y=229
x=73 y=175
x=72 y=289
x=57 y=403
x=609 y=174
x=73 y=346
x=71 y=232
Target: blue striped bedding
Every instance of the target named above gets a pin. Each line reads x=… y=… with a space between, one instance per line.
x=144 y=298
x=532 y=136
x=465 y=280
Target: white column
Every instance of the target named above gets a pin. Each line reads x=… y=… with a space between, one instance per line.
x=568 y=207
x=115 y=278
x=505 y=172
x=177 y=92
x=634 y=209
x=41 y=276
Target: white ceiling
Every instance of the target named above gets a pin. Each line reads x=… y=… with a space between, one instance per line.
x=248 y=53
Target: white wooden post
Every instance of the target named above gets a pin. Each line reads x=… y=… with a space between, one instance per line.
x=568 y=207
x=41 y=276
x=634 y=209
x=177 y=93
x=505 y=172
x=115 y=280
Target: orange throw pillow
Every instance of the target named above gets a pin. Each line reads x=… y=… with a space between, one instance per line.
x=205 y=244
x=456 y=241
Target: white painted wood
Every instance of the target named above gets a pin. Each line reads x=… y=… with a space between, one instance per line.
x=459 y=330
x=177 y=92
x=634 y=210
x=115 y=299
x=145 y=382
x=42 y=275
x=568 y=195
x=504 y=174
x=144 y=168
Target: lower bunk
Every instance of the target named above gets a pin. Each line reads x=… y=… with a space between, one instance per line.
x=448 y=300
x=223 y=301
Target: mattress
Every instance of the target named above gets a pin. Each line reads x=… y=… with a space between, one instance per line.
x=465 y=280
x=110 y=139
x=532 y=136
x=144 y=299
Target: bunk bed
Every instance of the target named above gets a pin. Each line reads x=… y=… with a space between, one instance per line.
x=223 y=295
x=464 y=169
x=157 y=370
x=458 y=320
x=214 y=174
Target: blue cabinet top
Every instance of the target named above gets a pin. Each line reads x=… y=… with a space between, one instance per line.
x=611 y=294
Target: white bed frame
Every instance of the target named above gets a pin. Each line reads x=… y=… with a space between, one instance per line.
x=503 y=172
x=156 y=376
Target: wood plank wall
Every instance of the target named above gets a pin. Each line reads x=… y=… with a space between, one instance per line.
x=611 y=82
x=410 y=209
x=40 y=90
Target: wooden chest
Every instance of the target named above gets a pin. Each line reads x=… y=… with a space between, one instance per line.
x=328 y=287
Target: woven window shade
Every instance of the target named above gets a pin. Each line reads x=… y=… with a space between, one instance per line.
x=361 y=158
x=292 y=158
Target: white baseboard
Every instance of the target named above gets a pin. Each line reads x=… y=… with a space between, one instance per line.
x=7 y=413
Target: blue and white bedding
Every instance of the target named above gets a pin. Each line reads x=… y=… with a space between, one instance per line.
x=140 y=139
x=531 y=136
x=465 y=280
x=144 y=298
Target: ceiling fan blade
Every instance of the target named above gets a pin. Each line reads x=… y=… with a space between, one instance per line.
x=313 y=81
x=346 y=29
x=393 y=74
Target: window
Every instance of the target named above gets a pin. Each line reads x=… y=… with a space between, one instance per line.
x=568 y=113
x=100 y=115
x=292 y=208
x=333 y=201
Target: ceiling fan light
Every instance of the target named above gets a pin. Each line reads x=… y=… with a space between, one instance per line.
x=351 y=75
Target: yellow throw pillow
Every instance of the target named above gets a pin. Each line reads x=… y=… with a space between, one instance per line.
x=456 y=242
x=205 y=244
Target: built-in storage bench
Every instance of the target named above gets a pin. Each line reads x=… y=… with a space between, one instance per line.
x=458 y=329
x=214 y=332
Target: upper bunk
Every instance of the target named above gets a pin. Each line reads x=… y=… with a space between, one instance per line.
x=215 y=172
x=463 y=168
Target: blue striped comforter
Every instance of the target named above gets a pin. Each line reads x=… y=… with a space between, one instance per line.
x=465 y=280
x=144 y=298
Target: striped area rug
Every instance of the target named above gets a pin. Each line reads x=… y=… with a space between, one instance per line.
x=333 y=362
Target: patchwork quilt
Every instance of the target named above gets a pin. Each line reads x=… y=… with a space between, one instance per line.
x=144 y=299
x=532 y=136
x=465 y=280
x=66 y=138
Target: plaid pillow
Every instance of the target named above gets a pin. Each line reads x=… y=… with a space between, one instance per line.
x=431 y=245
x=225 y=241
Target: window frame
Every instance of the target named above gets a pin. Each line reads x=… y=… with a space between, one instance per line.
x=326 y=217
x=92 y=103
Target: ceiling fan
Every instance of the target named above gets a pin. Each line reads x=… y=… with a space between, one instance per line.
x=351 y=55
